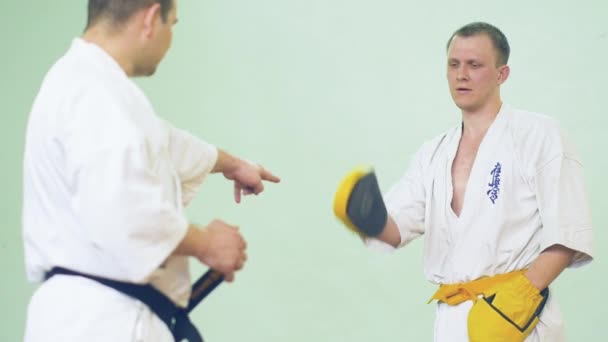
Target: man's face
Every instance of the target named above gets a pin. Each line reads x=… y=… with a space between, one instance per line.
x=473 y=77
x=158 y=43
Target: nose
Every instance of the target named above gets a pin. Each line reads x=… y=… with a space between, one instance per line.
x=462 y=73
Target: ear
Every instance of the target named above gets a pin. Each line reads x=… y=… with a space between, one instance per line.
x=151 y=17
x=503 y=73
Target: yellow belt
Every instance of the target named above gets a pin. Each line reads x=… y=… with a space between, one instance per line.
x=454 y=294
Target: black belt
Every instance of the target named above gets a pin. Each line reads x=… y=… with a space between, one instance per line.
x=175 y=318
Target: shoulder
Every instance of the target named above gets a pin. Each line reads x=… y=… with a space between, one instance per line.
x=534 y=130
x=527 y=122
x=538 y=138
x=85 y=69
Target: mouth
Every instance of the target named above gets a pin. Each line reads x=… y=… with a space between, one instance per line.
x=462 y=90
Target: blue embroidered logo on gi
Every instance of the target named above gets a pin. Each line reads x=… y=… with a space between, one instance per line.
x=495 y=184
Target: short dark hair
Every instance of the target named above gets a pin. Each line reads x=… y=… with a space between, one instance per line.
x=498 y=38
x=119 y=11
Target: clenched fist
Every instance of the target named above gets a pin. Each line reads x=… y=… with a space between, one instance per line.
x=223 y=248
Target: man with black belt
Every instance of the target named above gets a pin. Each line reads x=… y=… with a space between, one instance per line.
x=105 y=186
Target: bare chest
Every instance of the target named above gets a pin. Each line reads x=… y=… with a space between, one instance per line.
x=461 y=170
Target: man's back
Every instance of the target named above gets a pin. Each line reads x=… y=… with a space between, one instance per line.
x=92 y=138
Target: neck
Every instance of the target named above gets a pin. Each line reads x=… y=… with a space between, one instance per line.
x=116 y=44
x=475 y=124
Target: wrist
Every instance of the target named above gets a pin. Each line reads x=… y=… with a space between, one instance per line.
x=226 y=163
x=537 y=283
x=202 y=243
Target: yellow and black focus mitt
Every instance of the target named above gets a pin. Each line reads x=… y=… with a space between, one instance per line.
x=358 y=202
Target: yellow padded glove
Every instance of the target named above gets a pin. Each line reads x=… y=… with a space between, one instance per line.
x=509 y=314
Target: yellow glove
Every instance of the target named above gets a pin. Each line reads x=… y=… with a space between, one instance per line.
x=358 y=202
x=509 y=314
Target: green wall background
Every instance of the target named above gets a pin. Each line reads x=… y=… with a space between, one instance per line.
x=310 y=89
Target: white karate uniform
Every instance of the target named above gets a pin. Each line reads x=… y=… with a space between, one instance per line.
x=525 y=193
x=105 y=182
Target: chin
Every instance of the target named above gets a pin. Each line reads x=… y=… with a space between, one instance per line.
x=148 y=71
x=466 y=107
x=460 y=104
x=145 y=72
x=151 y=72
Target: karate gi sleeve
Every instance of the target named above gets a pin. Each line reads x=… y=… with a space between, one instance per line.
x=405 y=204
x=563 y=204
x=123 y=198
x=193 y=159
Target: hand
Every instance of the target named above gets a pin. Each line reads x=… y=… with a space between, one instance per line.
x=248 y=178
x=224 y=248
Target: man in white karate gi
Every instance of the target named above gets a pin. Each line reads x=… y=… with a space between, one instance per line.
x=499 y=199
x=106 y=182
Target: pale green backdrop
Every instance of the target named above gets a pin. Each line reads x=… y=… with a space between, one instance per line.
x=310 y=89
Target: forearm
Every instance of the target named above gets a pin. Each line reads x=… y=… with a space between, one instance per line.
x=191 y=243
x=549 y=265
x=390 y=234
x=225 y=162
